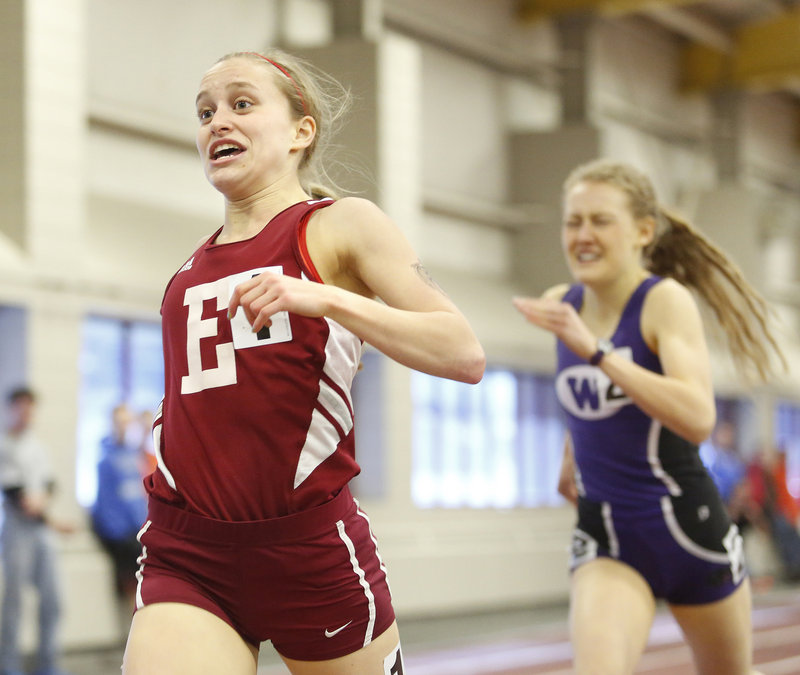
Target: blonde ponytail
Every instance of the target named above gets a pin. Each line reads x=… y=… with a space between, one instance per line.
x=683 y=253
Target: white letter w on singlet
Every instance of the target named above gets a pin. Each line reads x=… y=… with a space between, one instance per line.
x=584 y=391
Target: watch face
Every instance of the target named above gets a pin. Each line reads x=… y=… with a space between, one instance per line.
x=603 y=347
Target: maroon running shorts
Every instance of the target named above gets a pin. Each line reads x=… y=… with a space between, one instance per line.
x=312 y=582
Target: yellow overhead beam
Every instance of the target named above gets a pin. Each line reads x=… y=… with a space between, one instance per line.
x=633 y=6
x=765 y=54
x=533 y=10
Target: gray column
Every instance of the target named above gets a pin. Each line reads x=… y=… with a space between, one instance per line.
x=12 y=131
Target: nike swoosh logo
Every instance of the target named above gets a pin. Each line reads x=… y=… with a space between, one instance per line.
x=331 y=633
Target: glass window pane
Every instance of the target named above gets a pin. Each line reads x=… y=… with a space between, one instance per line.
x=120 y=361
x=497 y=444
x=367 y=408
x=787 y=438
x=101 y=389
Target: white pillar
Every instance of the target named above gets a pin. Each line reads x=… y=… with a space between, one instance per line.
x=55 y=134
x=400 y=132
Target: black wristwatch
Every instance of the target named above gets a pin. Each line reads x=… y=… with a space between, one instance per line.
x=603 y=347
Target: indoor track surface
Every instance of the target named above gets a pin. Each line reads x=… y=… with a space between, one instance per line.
x=535 y=642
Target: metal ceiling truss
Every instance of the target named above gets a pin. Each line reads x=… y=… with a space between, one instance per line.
x=759 y=54
x=531 y=10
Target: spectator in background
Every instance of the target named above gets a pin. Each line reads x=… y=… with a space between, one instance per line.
x=147 y=452
x=121 y=505
x=29 y=553
x=724 y=462
x=773 y=508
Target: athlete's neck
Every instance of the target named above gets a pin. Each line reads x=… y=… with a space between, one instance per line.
x=603 y=304
x=246 y=217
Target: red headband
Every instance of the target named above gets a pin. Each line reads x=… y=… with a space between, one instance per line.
x=288 y=76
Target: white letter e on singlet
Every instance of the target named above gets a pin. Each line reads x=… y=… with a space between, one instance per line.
x=198 y=328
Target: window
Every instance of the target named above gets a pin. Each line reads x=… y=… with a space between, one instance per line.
x=13 y=337
x=736 y=428
x=497 y=444
x=120 y=362
x=787 y=438
x=367 y=407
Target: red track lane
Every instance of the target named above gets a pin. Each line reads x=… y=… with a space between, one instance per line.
x=545 y=650
x=776 y=641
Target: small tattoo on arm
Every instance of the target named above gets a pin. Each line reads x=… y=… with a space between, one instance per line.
x=419 y=268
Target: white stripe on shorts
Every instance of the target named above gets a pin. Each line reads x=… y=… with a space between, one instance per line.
x=685 y=542
x=611 y=533
x=140 y=560
x=362 y=579
x=374 y=541
x=655 y=462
